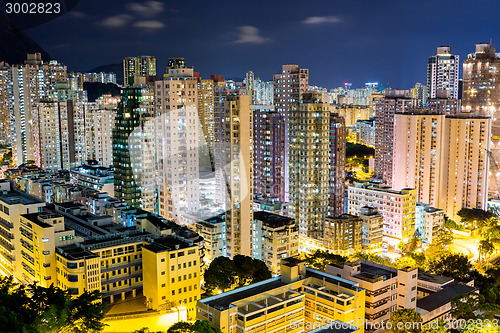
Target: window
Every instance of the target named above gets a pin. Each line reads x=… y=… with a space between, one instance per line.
x=172 y=255
x=173 y=292
x=173 y=280
x=184 y=265
x=162 y=260
x=163 y=285
x=172 y=268
x=47 y=253
x=163 y=297
x=45 y=240
x=72 y=278
x=163 y=273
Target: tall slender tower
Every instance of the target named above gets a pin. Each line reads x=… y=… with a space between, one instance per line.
x=289 y=85
x=336 y=155
x=178 y=142
x=269 y=152
x=309 y=164
x=443 y=72
x=236 y=183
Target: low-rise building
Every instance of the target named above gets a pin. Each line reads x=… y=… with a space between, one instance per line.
x=396 y=207
x=172 y=274
x=372 y=230
x=428 y=222
x=275 y=237
x=300 y=297
x=387 y=289
x=94 y=176
x=213 y=231
x=342 y=234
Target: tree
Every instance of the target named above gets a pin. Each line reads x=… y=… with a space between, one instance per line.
x=48 y=309
x=200 y=326
x=221 y=274
x=374 y=258
x=245 y=269
x=485 y=248
x=452 y=265
x=444 y=237
x=477 y=217
x=405 y=320
x=320 y=259
x=261 y=272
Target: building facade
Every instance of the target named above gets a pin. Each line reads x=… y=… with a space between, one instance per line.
x=443 y=72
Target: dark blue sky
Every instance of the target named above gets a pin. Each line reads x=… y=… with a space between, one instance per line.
x=339 y=41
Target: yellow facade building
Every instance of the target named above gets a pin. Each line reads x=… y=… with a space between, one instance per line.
x=299 y=299
x=172 y=274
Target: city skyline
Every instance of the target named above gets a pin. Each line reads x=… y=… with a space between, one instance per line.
x=262 y=36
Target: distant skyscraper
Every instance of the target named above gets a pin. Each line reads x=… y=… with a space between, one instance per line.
x=481 y=94
x=5 y=93
x=135 y=67
x=55 y=132
x=420 y=93
x=100 y=122
x=206 y=113
x=443 y=72
x=289 y=85
x=269 y=152
x=309 y=164
x=250 y=86
x=234 y=164
x=336 y=154
x=31 y=83
x=385 y=108
x=178 y=141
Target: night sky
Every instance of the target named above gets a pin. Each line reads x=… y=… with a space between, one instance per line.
x=356 y=41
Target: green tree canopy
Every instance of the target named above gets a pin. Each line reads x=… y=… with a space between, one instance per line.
x=452 y=265
x=405 y=321
x=320 y=259
x=200 y=326
x=38 y=309
x=224 y=273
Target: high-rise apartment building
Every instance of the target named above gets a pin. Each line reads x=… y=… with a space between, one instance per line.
x=309 y=164
x=481 y=94
x=54 y=126
x=136 y=67
x=385 y=108
x=5 y=93
x=206 y=113
x=234 y=165
x=444 y=158
x=100 y=121
x=289 y=85
x=134 y=148
x=336 y=174
x=31 y=83
x=428 y=222
x=466 y=148
x=269 y=150
x=420 y=92
x=178 y=141
x=443 y=73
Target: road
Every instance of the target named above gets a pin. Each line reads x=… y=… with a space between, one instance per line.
x=466 y=245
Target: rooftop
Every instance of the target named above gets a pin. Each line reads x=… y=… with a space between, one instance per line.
x=19 y=197
x=441 y=280
x=332 y=279
x=442 y=297
x=222 y=301
x=168 y=243
x=74 y=252
x=273 y=220
x=33 y=217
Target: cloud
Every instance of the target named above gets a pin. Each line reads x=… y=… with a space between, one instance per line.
x=151 y=24
x=250 y=35
x=148 y=8
x=116 y=21
x=76 y=14
x=322 y=19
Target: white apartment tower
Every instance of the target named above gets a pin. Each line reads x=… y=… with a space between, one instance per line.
x=443 y=72
x=178 y=141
